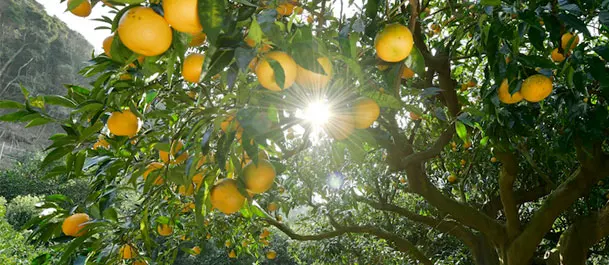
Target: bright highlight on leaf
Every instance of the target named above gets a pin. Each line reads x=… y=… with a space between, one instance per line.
x=317 y=113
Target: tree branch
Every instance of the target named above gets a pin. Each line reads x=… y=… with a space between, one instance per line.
x=400 y=244
x=494 y=205
x=509 y=170
x=575 y=243
x=595 y=165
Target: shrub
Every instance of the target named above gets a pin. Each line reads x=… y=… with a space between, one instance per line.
x=21 y=209
x=14 y=248
x=25 y=177
x=2 y=207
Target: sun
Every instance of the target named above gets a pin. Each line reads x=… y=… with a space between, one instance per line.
x=317 y=113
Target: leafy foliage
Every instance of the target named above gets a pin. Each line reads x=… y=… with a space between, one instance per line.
x=21 y=209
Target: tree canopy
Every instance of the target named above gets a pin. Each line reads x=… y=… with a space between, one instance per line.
x=452 y=132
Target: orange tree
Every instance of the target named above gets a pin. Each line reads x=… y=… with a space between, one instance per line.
x=485 y=122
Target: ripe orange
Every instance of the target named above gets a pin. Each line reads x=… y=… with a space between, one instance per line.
x=467 y=145
x=187 y=190
x=152 y=167
x=145 y=32
x=310 y=19
x=266 y=74
x=452 y=178
x=198 y=180
x=504 y=94
x=127 y=252
x=182 y=15
x=472 y=83
x=101 y=143
x=175 y=148
x=493 y=159
x=123 y=123
x=298 y=10
x=188 y=207
x=536 y=88
x=312 y=79
x=414 y=116
x=227 y=243
x=164 y=230
x=393 y=43
x=557 y=56
x=285 y=9
x=265 y=233
x=230 y=123
x=262 y=155
x=340 y=126
x=196 y=250
x=192 y=66
x=271 y=254
x=463 y=162
x=197 y=39
x=108 y=45
x=81 y=10
x=259 y=178
x=407 y=73
x=232 y=254
x=226 y=197
x=569 y=37
x=75 y=225
x=365 y=112
x=272 y=207
x=250 y=42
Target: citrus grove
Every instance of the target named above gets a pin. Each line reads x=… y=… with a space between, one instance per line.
x=450 y=132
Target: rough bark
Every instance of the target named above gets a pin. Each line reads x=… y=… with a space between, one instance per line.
x=575 y=243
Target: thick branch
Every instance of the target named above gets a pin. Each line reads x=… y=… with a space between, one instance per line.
x=595 y=165
x=509 y=170
x=401 y=244
x=433 y=151
x=522 y=196
x=575 y=243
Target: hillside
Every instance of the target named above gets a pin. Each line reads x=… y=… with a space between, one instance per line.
x=41 y=53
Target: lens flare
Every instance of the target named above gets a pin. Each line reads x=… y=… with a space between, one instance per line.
x=317 y=113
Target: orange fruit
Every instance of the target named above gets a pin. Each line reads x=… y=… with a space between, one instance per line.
x=265 y=233
x=472 y=83
x=198 y=179
x=227 y=243
x=315 y=80
x=75 y=225
x=340 y=126
x=127 y=251
x=310 y=19
x=107 y=44
x=230 y=123
x=414 y=116
x=152 y=167
x=164 y=230
x=271 y=254
x=232 y=254
x=467 y=145
x=536 y=88
x=196 y=250
x=393 y=43
x=504 y=94
x=187 y=190
x=201 y=162
x=197 y=39
x=493 y=159
x=182 y=15
x=188 y=207
x=365 y=111
x=463 y=162
x=402 y=180
x=123 y=123
x=101 y=143
x=272 y=207
x=192 y=66
x=259 y=177
x=144 y=31
x=298 y=10
x=225 y=196
x=557 y=56
x=452 y=178
x=250 y=42
x=569 y=37
x=82 y=10
x=407 y=73
x=175 y=148
x=266 y=74
x=285 y=9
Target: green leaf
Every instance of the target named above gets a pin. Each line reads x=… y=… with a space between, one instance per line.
x=255 y=32
x=575 y=23
x=25 y=92
x=38 y=121
x=15 y=116
x=277 y=72
x=56 y=154
x=59 y=101
x=211 y=15
x=9 y=104
x=461 y=130
x=415 y=61
x=219 y=60
x=490 y=2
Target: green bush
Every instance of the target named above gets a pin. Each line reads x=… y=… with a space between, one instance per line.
x=2 y=207
x=21 y=209
x=14 y=249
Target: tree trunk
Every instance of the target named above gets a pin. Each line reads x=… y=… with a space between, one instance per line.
x=484 y=253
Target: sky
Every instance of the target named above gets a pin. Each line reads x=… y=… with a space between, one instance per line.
x=84 y=26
